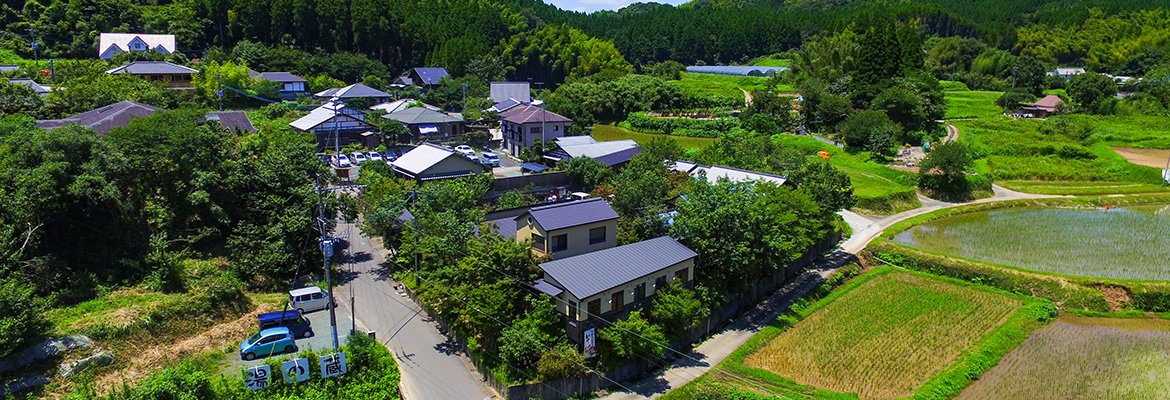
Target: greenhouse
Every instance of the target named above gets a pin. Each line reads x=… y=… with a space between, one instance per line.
x=735 y=70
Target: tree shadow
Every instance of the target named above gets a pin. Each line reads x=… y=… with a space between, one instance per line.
x=448 y=347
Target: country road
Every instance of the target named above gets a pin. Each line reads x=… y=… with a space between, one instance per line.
x=431 y=366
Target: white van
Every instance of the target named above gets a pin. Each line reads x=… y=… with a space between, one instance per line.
x=307 y=299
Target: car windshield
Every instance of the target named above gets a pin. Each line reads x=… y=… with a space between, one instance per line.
x=253 y=339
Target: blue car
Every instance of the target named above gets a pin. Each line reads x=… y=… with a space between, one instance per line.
x=268 y=342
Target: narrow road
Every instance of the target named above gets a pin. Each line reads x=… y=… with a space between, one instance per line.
x=719 y=346
x=747 y=98
x=431 y=367
x=952 y=133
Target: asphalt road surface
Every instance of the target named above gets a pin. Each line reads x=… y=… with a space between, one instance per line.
x=431 y=366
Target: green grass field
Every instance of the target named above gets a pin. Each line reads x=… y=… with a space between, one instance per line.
x=707 y=85
x=1097 y=358
x=605 y=133
x=972 y=104
x=886 y=337
x=768 y=61
x=880 y=190
x=1081 y=188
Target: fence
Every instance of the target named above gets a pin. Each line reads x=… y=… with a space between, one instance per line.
x=561 y=388
x=545 y=181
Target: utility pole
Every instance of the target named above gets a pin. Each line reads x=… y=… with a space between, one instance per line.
x=36 y=49
x=464 y=85
x=219 y=90
x=326 y=252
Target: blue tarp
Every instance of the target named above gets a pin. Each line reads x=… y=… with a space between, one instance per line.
x=533 y=167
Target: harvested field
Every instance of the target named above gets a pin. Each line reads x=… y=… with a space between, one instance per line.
x=885 y=338
x=1149 y=157
x=1083 y=358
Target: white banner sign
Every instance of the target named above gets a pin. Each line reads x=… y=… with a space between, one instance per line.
x=258 y=377
x=295 y=371
x=1166 y=175
x=333 y=365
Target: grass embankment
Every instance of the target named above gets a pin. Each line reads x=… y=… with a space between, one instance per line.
x=886 y=334
x=707 y=85
x=879 y=190
x=972 y=104
x=604 y=133
x=769 y=61
x=1075 y=150
x=1098 y=358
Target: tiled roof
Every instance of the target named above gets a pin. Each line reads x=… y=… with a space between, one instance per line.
x=420 y=115
x=431 y=76
x=41 y=90
x=151 y=67
x=235 y=121
x=281 y=77
x=1049 y=101
x=502 y=91
x=526 y=114
x=399 y=105
x=572 y=213
x=104 y=118
x=597 y=272
x=321 y=114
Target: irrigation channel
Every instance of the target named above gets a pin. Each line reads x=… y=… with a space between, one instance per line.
x=1121 y=243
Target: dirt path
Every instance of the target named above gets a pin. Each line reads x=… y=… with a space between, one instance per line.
x=747 y=98
x=1148 y=157
x=952 y=133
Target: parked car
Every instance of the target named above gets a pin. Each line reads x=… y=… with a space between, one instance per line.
x=341 y=161
x=268 y=342
x=374 y=156
x=307 y=299
x=359 y=158
x=490 y=159
x=390 y=157
x=466 y=151
x=292 y=319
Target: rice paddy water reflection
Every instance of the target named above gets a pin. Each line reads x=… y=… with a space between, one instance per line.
x=1119 y=243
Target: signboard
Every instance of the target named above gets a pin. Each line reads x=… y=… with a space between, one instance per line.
x=590 y=342
x=258 y=377
x=295 y=371
x=1166 y=175
x=333 y=365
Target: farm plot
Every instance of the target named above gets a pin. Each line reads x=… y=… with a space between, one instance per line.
x=886 y=337
x=1097 y=358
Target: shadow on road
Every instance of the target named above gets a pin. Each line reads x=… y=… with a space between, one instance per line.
x=448 y=347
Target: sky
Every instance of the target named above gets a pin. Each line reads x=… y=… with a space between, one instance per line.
x=596 y=5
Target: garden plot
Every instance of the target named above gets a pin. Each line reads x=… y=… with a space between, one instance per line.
x=1083 y=358
x=886 y=337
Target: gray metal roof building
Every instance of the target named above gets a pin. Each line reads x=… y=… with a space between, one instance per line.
x=40 y=89
x=235 y=121
x=501 y=91
x=430 y=76
x=570 y=214
x=103 y=119
x=420 y=115
x=151 y=68
x=354 y=91
x=588 y=274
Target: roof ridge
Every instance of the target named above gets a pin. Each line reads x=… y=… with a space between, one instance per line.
x=564 y=203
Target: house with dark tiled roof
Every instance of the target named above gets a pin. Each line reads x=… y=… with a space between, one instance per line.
x=235 y=121
x=523 y=125
x=427 y=124
x=289 y=85
x=36 y=87
x=609 y=283
x=103 y=119
x=426 y=78
x=175 y=76
x=569 y=228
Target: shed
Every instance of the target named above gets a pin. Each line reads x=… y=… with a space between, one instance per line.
x=430 y=162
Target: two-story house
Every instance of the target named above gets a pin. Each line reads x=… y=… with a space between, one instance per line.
x=335 y=125
x=289 y=86
x=523 y=125
x=174 y=76
x=567 y=229
x=110 y=44
x=605 y=285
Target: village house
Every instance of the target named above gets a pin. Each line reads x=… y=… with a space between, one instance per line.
x=334 y=125
x=103 y=119
x=610 y=283
x=111 y=44
x=1048 y=106
x=426 y=78
x=402 y=104
x=508 y=95
x=289 y=86
x=523 y=125
x=235 y=121
x=42 y=90
x=432 y=162
x=570 y=228
x=1066 y=73
x=355 y=91
x=714 y=173
x=427 y=124
x=174 y=76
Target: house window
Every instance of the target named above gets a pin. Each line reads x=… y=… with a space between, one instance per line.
x=156 y=78
x=594 y=308
x=640 y=292
x=538 y=243
x=535 y=129
x=616 y=300
x=681 y=274
x=597 y=235
x=659 y=283
x=556 y=128
x=560 y=242
x=573 y=310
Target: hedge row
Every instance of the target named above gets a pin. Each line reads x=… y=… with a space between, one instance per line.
x=690 y=127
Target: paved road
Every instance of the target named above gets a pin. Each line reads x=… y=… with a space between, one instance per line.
x=714 y=350
x=431 y=367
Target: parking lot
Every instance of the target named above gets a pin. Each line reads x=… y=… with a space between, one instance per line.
x=322 y=334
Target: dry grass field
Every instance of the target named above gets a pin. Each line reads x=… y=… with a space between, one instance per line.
x=1084 y=358
x=886 y=337
x=1149 y=157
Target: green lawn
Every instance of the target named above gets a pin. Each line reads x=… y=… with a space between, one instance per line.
x=972 y=104
x=768 y=61
x=605 y=133
x=1079 y=188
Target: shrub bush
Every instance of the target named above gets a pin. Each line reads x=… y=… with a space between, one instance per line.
x=644 y=123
